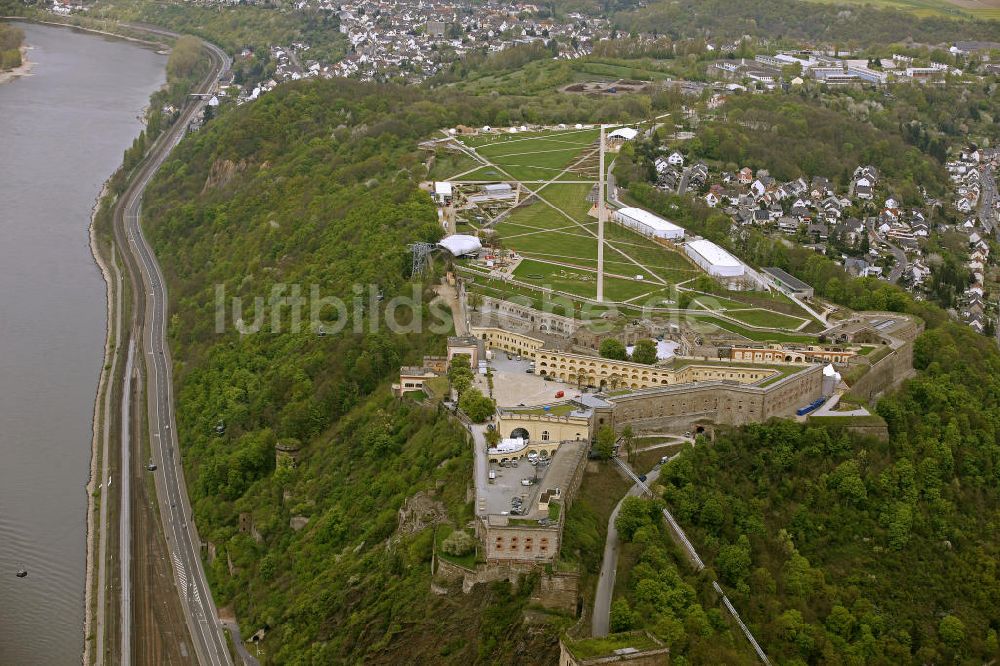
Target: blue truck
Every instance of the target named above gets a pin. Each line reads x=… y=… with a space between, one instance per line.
x=802 y=411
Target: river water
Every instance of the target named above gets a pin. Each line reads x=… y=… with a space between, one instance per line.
x=63 y=130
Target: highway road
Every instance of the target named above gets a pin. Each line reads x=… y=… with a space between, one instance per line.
x=148 y=333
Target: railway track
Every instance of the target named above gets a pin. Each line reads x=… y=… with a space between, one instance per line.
x=160 y=609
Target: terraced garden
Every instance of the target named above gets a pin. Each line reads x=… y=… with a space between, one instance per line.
x=556 y=235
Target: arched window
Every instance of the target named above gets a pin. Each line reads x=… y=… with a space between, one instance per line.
x=545 y=435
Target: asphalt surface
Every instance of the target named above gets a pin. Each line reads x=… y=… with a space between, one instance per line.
x=601 y=620
x=479 y=447
x=148 y=332
x=900 y=265
x=987 y=197
x=125 y=515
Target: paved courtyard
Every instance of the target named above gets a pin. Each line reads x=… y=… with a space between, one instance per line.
x=513 y=386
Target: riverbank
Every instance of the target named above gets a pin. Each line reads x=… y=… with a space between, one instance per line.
x=100 y=440
x=106 y=32
x=18 y=72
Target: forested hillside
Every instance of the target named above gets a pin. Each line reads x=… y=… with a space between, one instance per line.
x=316 y=184
x=794 y=137
x=841 y=549
x=848 y=25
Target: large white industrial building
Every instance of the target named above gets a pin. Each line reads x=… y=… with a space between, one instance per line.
x=648 y=224
x=716 y=261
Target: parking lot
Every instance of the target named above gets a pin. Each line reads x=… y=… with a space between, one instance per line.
x=499 y=492
x=513 y=386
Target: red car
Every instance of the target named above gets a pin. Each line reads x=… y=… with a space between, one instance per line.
x=560 y=394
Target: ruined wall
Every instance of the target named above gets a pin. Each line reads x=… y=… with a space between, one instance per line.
x=558 y=590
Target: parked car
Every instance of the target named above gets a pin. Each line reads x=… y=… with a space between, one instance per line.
x=560 y=394
x=525 y=482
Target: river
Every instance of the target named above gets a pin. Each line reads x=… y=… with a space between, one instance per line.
x=63 y=130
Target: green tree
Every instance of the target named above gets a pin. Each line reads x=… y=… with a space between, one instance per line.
x=613 y=348
x=476 y=406
x=622 y=616
x=733 y=561
x=628 y=442
x=952 y=631
x=840 y=622
x=458 y=543
x=633 y=515
x=644 y=351
x=605 y=447
x=460 y=374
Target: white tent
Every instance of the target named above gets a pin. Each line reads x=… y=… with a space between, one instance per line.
x=512 y=445
x=624 y=133
x=713 y=259
x=831 y=379
x=461 y=244
x=647 y=224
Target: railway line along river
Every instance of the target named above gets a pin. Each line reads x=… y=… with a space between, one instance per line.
x=63 y=130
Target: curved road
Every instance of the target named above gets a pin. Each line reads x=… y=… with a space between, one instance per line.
x=148 y=332
x=601 y=621
x=900 y=265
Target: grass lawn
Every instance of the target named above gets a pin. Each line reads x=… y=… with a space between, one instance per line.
x=767 y=318
x=566 y=246
x=580 y=281
x=438 y=386
x=588 y=648
x=756 y=336
x=528 y=297
x=571 y=198
x=713 y=302
x=448 y=165
x=581 y=137
x=486 y=173
x=468 y=561
x=534 y=156
x=666 y=263
x=645 y=461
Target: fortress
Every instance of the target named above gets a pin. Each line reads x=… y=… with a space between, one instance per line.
x=675 y=395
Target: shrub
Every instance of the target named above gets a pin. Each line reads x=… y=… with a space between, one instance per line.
x=459 y=543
